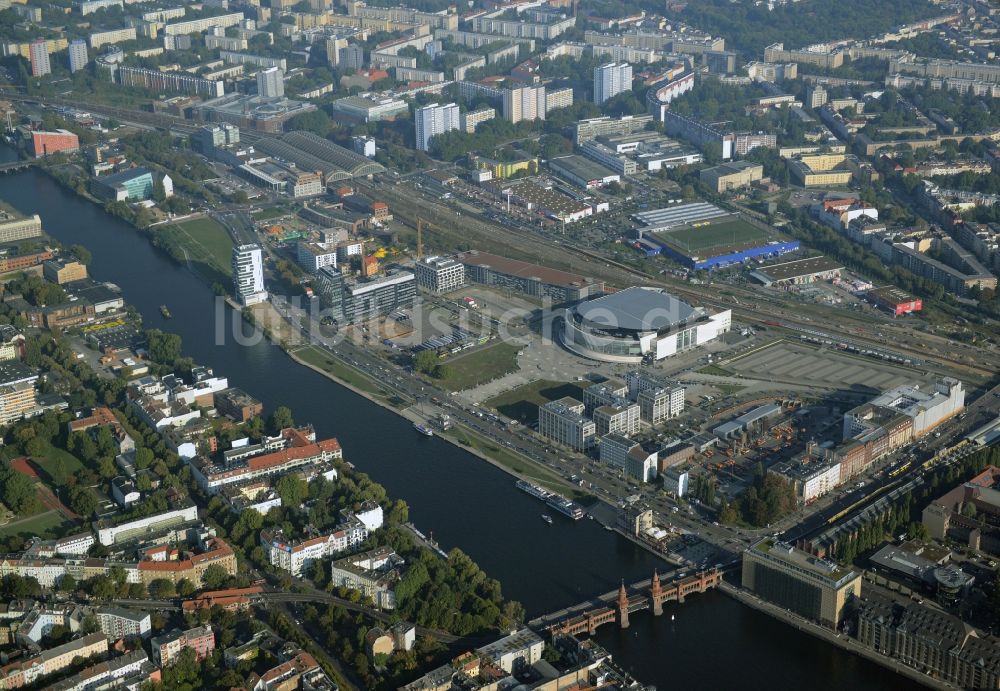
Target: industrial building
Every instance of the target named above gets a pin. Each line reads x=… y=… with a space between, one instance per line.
x=927 y=409
x=638 y=323
x=680 y=215
x=582 y=172
x=311 y=152
x=798 y=272
x=811 y=587
x=530 y=279
x=755 y=421
x=247 y=112
x=896 y=301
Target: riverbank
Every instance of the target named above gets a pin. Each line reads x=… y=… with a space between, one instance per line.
x=842 y=641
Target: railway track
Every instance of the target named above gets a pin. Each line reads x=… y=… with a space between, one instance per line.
x=408 y=208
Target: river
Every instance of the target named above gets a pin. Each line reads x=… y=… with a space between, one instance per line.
x=714 y=643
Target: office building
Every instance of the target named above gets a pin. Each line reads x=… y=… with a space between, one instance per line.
x=622 y=418
x=675 y=482
x=133 y=185
x=562 y=421
x=926 y=409
x=271 y=82
x=38 y=51
x=434 y=119
x=937 y=643
x=353 y=301
x=313 y=256
x=78 y=58
x=514 y=653
x=248 y=274
x=811 y=587
x=211 y=137
x=611 y=80
x=167 y=647
x=439 y=274
x=15 y=229
x=530 y=279
x=660 y=403
x=369 y=108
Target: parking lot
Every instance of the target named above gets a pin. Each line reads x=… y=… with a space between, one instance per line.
x=797 y=363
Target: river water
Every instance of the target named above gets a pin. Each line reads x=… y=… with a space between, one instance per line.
x=714 y=642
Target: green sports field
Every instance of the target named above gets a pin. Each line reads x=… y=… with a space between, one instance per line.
x=728 y=233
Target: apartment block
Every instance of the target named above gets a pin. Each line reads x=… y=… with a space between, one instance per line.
x=167 y=647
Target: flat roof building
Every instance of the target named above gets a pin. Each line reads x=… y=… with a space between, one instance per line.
x=798 y=272
x=439 y=274
x=530 y=279
x=563 y=422
x=809 y=586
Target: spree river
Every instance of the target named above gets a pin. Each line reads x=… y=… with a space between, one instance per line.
x=713 y=643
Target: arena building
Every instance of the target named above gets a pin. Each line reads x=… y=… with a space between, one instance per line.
x=638 y=323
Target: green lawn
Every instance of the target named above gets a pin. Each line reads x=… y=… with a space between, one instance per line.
x=46 y=525
x=716 y=370
x=58 y=465
x=522 y=403
x=522 y=466
x=202 y=241
x=328 y=363
x=725 y=233
x=479 y=367
x=267 y=214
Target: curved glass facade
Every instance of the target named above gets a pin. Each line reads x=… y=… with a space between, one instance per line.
x=577 y=339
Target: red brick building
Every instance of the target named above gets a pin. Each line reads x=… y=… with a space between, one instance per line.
x=48 y=143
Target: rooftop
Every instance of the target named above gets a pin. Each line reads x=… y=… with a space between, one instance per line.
x=637 y=309
x=521 y=269
x=800 y=267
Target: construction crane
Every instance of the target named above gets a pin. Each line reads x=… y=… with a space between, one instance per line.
x=420 y=236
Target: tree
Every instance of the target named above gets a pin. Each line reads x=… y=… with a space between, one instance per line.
x=164 y=348
x=292 y=489
x=67 y=583
x=185 y=587
x=81 y=253
x=425 y=361
x=18 y=492
x=215 y=577
x=162 y=588
x=280 y=419
x=82 y=501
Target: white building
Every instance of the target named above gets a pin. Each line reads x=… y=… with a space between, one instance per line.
x=439 y=274
x=434 y=119
x=563 y=422
x=641 y=464
x=675 y=481
x=623 y=418
x=111 y=534
x=271 y=83
x=248 y=274
x=78 y=55
x=118 y=622
x=374 y=574
x=515 y=652
x=661 y=403
x=313 y=256
x=611 y=80
x=927 y=409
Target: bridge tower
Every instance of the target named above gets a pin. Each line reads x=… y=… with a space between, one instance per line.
x=622 y=606
x=655 y=595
